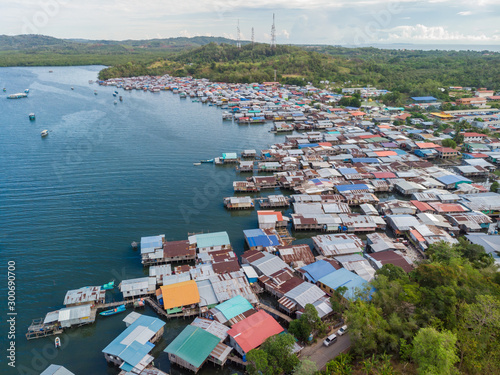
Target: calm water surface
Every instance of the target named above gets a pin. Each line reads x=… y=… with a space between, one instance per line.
x=107 y=174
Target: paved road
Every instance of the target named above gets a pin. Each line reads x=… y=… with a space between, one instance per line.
x=322 y=354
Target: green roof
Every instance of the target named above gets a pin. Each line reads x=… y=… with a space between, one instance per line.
x=212 y=239
x=234 y=306
x=193 y=345
x=376 y=139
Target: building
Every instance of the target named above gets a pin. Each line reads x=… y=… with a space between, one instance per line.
x=152 y=247
x=231 y=311
x=56 y=370
x=260 y=239
x=192 y=347
x=344 y=278
x=338 y=244
x=357 y=264
x=207 y=242
x=378 y=260
x=178 y=251
x=87 y=295
x=251 y=332
x=447 y=152
x=303 y=294
x=400 y=224
x=139 y=287
x=296 y=256
x=471 y=101
x=71 y=316
x=177 y=296
x=130 y=350
x=268 y=264
x=491 y=244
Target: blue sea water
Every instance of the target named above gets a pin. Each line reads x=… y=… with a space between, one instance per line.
x=71 y=203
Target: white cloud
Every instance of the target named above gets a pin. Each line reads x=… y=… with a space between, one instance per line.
x=285 y=33
x=465 y=13
x=424 y=33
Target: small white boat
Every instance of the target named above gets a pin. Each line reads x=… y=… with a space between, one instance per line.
x=72 y=88
x=57 y=342
x=196 y=163
x=44 y=133
x=115 y=102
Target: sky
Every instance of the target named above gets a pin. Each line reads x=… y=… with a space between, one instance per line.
x=335 y=22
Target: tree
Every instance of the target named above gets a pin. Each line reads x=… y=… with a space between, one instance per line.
x=258 y=363
x=434 y=352
x=279 y=350
x=442 y=252
x=308 y=321
x=494 y=186
x=305 y=367
x=392 y=272
x=449 y=143
x=341 y=365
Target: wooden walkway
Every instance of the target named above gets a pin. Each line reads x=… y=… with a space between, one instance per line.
x=275 y=312
x=160 y=311
x=110 y=305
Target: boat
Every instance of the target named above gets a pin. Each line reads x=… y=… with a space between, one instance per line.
x=134 y=245
x=31 y=116
x=196 y=163
x=72 y=88
x=115 y=102
x=121 y=98
x=57 y=342
x=50 y=71
x=114 y=311
x=27 y=91
x=95 y=92
x=207 y=161
x=114 y=94
x=139 y=303
x=44 y=133
x=17 y=96
x=109 y=285
x=4 y=89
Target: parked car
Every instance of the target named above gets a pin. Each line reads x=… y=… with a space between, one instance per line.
x=330 y=339
x=342 y=330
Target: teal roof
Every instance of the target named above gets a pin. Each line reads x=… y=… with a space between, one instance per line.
x=229 y=155
x=234 y=306
x=193 y=345
x=212 y=239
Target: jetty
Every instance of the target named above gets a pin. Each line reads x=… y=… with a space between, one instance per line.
x=38 y=329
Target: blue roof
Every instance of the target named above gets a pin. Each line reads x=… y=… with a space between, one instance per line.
x=352 y=187
x=365 y=160
x=134 y=352
x=414 y=131
x=425 y=151
x=212 y=239
x=399 y=151
x=451 y=179
x=344 y=277
x=317 y=270
x=348 y=171
x=234 y=306
x=423 y=98
x=253 y=232
x=263 y=241
x=308 y=145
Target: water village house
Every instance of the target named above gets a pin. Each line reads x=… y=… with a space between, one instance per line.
x=152 y=248
x=338 y=244
x=231 y=311
x=71 y=316
x=207 y=242
x=130 y=350
x=133 y=288
x=251 y=332
x=56 y=370
x=93 y=295
x=178 y=295
x=342 y=277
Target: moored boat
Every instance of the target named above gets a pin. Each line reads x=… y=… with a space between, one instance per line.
x=44 y=133
x=114 y=311
x=207 y=161
x=196 y=163
x=57 y=342
x=17 y=96
x=109 y=285
x=31 y=116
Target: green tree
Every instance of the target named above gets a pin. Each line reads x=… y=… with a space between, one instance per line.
x=341 y=365
x=494 y=186
x=392 y=272
x=434 y=352
x=449 y=143
x=258 y=363
x=279 y=351
x=305 y=367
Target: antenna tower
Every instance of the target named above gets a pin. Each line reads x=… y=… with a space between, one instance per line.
x=253 y=37
x=238 y=42
x=273 y=35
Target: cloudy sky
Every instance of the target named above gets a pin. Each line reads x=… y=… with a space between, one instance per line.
x=344 y=22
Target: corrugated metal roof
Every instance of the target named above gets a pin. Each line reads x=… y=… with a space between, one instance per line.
x=254 y=330
x=317 y=270
x=180 y=294
x=135 y=352
x=193 y=345
x=56 y=370
x=344 y=277
x=234 y=306
x=305 y=293
x=211 y=326
x=269 y=264
x=212 y=239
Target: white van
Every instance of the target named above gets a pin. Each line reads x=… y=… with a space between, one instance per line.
x=342 y=330
x=330 y=339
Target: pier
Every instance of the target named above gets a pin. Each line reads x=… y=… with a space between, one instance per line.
x=38 y=329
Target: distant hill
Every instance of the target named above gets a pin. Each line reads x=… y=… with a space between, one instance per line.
x=32 y=50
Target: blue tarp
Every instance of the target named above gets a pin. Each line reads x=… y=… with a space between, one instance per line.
x=424 y=98
x=365 y=160
x=342 y=188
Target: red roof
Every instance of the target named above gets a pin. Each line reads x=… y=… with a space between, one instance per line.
x=447 y=207
x=445 y=149
x=426 y=145
x=422 y=206
x=367 y=136
x=474 y=135
x=278 y=214
x=327 y=144
x=251 y=332
x=383 y=175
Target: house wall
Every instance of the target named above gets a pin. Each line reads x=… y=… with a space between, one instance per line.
x=179 y=361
